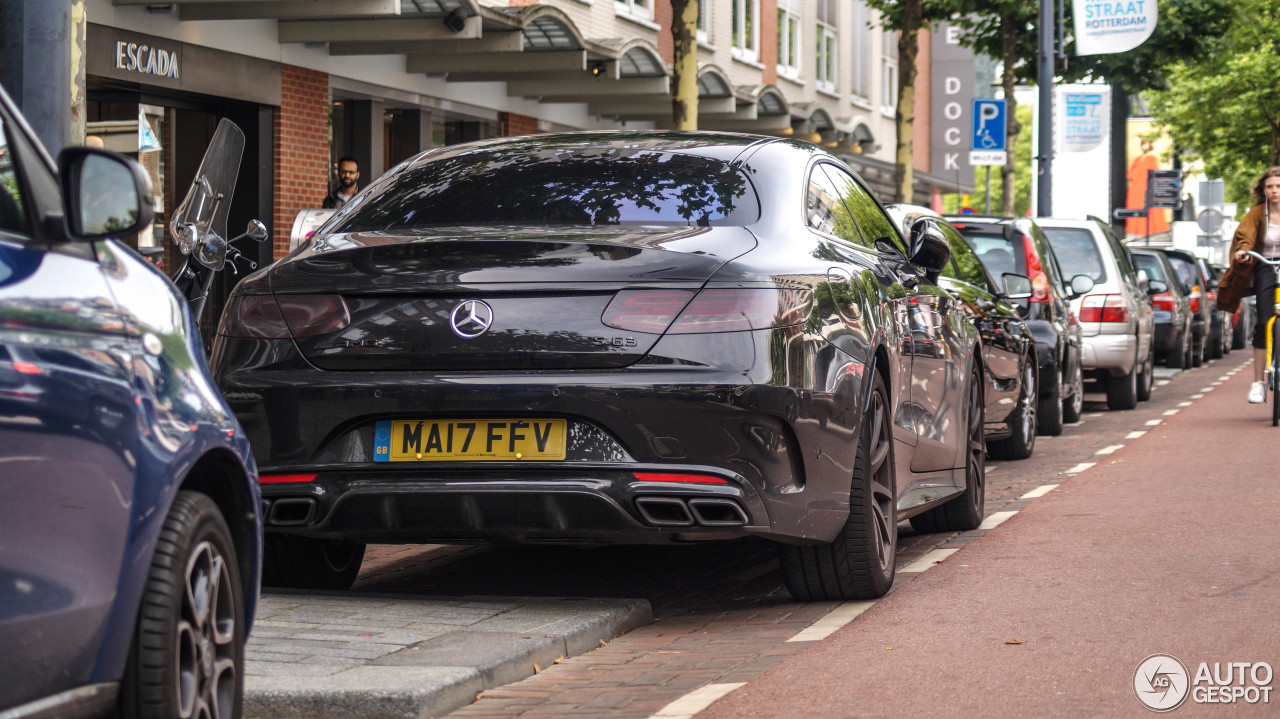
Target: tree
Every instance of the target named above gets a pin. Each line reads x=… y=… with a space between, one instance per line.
x=684 y=80
x=1225 y=107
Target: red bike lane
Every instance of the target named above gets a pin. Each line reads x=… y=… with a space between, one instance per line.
x=1167 y=546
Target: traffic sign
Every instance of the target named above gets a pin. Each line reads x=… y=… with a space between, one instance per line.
x=988 y=125
x=1129 y=213
x=1210 y=220
x=1164 y=188
x=978 y=158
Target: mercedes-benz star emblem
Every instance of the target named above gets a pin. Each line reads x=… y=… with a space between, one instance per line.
x=471 y=318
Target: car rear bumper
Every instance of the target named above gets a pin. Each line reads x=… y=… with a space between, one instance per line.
x=1109 y=352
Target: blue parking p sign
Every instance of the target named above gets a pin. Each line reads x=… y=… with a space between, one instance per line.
x=988 y=124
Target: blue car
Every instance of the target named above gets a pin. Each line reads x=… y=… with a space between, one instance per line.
x=130 y=528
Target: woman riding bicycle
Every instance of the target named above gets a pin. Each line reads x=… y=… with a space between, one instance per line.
x=1259 y=232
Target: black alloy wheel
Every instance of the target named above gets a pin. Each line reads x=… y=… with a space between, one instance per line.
x=1021 y=443
x=187 y=656
x=965 y=511
x=309 y=563
x=859 y=562
x=1073 y=408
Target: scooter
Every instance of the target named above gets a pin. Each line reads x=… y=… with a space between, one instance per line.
x=199 y=226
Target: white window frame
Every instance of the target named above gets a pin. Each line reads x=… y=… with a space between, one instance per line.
x=790 y=43
x=704 y=21
x=640 y=9
x=860 y=67
x=827 y=57
x=749 y=50
x=889 y=74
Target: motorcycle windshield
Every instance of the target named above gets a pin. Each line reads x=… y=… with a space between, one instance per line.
x=199 y=225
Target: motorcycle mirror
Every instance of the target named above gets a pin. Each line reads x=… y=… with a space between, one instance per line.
x=256 y=231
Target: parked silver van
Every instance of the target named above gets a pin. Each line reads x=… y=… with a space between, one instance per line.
x=1116 y=318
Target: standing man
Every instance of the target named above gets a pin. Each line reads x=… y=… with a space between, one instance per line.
x=348 y=174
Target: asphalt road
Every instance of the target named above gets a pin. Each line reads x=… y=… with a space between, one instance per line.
x=723 y=617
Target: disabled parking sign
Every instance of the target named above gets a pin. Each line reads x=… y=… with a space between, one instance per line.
x=988 y=146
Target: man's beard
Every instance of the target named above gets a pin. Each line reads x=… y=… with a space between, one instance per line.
x=346 y=184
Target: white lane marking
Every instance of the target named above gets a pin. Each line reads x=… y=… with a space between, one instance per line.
x=992 y=466
x=1225 y=377
x=1039 y=491
x=1109 y=449
x=1135 y=434
x=930 y=558
x=695 y=701
x=1184 y=404
x=995 y=520
x=1080 y=468
x=1155 y=422
x=833 y=620
x=1207 y=389
x=1094 y=414
x=1171 y=412
x=1197 y=396
x=1163 y=382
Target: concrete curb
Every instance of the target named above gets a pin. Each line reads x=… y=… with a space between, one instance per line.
x=432 y=677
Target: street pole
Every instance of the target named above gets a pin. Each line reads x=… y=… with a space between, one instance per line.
x=1044 y=173
x=988 y=210
x=41 y=66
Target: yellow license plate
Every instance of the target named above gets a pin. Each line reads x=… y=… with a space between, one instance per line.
x=468 y=440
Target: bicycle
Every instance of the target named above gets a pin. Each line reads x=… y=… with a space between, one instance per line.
x=1271 y=375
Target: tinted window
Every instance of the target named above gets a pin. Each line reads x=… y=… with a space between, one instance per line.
x=994 y=250
x=825 y=212
x=964 y=263
x=1076 y=251
x=540 y=185
x=871 y=220
x=1151 y=265
x=1187 y=273
x=13 y=216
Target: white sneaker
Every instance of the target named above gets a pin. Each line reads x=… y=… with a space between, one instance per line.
x=1257 y=393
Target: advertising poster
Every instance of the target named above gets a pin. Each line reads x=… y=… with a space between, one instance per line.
x=1147 y=148
x=1107 y=26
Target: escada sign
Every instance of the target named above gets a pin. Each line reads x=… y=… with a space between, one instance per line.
x=147 y=60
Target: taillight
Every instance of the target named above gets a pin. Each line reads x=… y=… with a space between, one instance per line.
x=1163 y=301
x=1194 y=297
x=283 y=316
x=711 y=310
x=1104 y=308
x=645 y=310
x=743 y=309
x=1039 y=281
x=286 y=478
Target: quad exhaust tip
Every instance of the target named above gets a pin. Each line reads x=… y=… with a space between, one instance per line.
x=678 y=512
x=291 y=512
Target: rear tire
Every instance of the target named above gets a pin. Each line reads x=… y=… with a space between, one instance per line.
x=965 y=511
x=859 y=563
x=1197 y=352
x=1147 y=378
x=1022 y=422
x=1178 y=359
x=1073 y=408
x=1214 y=349
x=1238 y=334
x=187 y=655
x=1049 y=413
x=1122 y=392
x=307 y=563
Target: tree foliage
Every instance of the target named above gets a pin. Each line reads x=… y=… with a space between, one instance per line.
x=1225 y=107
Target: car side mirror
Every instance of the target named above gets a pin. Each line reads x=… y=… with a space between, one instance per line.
x=928 y=247
x=1155 y=287
x=1080 y=285
x=1016 y=287
x=103 y=194
x=1143 y=279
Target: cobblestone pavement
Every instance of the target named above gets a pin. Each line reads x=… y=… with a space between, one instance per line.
x=721 y=613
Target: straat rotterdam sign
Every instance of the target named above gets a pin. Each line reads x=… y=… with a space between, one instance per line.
x=1107 y=26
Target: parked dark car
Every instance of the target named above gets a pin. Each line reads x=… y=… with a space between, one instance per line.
x=610 y=337
x=1195 y=285
x=1223 y=323
x=1008 y=347
x=130 y=540
x=1017 y=245
x=1172 y=308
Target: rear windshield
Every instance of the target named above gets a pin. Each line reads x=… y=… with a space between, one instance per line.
x=998 y=254
x=1151 y=265
x=1077 y=253
x=1187 y=273
x=557 y=186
